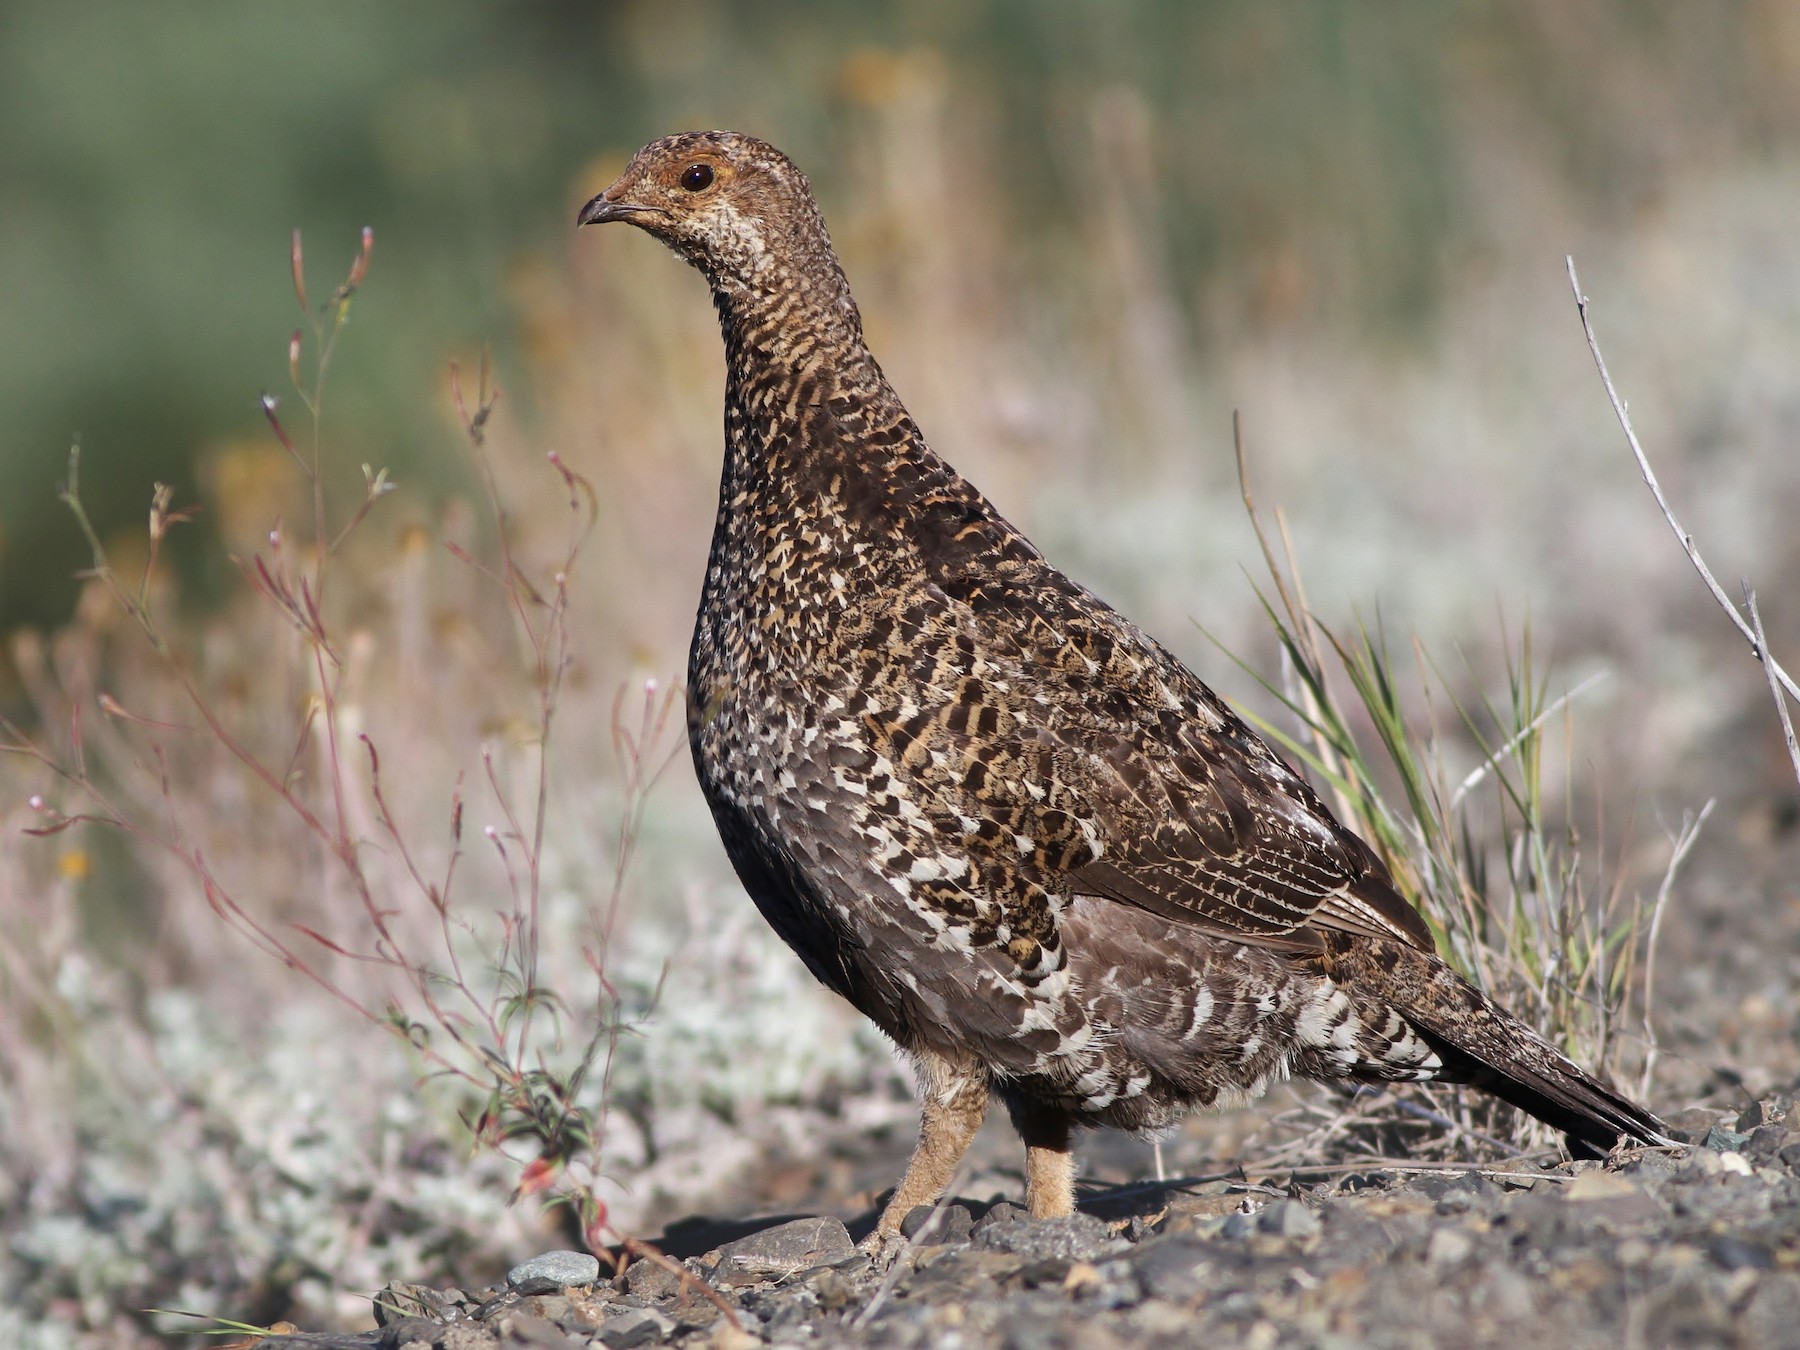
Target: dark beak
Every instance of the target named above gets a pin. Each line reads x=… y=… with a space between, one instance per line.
x=600 y=211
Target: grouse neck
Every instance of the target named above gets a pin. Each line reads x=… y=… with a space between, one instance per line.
x=795 y=360
x=775 y=324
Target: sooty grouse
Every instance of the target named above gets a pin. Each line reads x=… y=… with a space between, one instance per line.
x=995 y=816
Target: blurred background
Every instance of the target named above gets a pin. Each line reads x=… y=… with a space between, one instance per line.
x=1082 y=236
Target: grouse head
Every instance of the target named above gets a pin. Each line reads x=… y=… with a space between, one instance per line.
x=737 y=209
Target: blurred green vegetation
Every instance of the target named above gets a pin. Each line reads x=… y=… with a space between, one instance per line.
x=156 y=155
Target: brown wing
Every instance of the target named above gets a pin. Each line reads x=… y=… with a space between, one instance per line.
x=1221 y=834
x=1148 y=789
x=1192 y=815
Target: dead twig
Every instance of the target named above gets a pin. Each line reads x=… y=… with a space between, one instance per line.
x=1769 y=669
x=1684 y=841
x=1779 y=679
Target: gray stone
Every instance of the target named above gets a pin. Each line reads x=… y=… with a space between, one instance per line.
x=1238 y=1225
x=1691 y=1126
x=1003 y=1213
x=1649 y=1167
x=954 y=1225
x=956 y=1274
x=399 y=1301
x=405 y=1331
x=1772 y=1312
x=1505 y=1293
x=1765 y=1112
x=1288 y=1218
x=783 y=1251
x=1448 y=1247
x=650 y=1280
x=1721 y=1140
x=515 y=1331
x=1766 y=1141
x=635 y=1326
x=1173 y=1268
x=553 y=1271
x=1738 y=1254
x=1079 y=1237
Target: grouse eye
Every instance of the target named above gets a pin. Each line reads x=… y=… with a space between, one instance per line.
x=697 y=177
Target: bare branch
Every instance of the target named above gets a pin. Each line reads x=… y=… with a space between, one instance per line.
x=1684 y=842
x=1776 y=673
x=1769 y=669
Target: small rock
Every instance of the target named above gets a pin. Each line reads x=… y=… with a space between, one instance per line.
x=1238 y=1225
x=553 y=1271
x=1691 y=1126
x=1765 y=1112
x=1448 y=1247
x=1721 y=1140
x=1035 y=1331
x=785 y=1250
x=403 y=1332
x=650 y=1279
x=833 y=1290
x=1289 y=1219
x=1737 y=1254
x=399 y=1301
x=635 y=1326
x=1436 y=1185
x=1082 y=1275
x=1079 y=1237
x=1049 y=1270
x=550 y=1307
x=1506 y=1293
x=515 y=1331
x=956 y=1273
x=1109 y=1286
x=1158 y=1320
x=1173 y=1268
x=1772 y=1312
x=1650 y=1166
x=1599 y=1186
x=1000 y=1215
x=954 y=1224
x=1766 y=1142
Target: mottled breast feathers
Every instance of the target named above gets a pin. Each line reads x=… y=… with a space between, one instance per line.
x=1153 y=792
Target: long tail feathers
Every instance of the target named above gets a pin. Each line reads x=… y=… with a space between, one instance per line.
x=1541 y=1083
x=1481 y=1044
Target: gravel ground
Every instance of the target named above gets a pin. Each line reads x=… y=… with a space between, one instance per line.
x=1694 y=1246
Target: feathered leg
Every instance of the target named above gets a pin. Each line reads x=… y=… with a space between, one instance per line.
x=954 y=1100
x=1049 y=1160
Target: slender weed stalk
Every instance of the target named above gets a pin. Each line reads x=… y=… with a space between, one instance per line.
x=398 y=955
